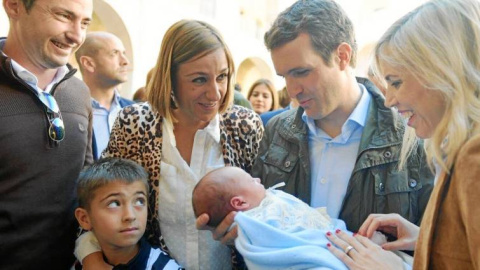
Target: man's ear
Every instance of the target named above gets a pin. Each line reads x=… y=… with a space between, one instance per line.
x=83 y=218
x=343 y=55
x=13 y=7
x=87 y=63
x=238 y=203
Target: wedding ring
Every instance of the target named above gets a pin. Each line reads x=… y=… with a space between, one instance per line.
x=348 y=249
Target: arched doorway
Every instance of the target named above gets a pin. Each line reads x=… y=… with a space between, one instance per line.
x=250 y=70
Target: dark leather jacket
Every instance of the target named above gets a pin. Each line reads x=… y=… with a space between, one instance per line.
x=376 y=184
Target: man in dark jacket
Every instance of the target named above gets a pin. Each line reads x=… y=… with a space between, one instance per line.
x=45 y=132
x=340 y=148
x=104 y=66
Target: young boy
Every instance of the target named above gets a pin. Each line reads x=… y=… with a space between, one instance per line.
x=112 y=196
x=275 y=230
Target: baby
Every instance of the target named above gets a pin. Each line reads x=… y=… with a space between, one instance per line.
x=276 y=229
x=232 y=189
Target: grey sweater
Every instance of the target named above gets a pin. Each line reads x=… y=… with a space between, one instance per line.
x=38 y=177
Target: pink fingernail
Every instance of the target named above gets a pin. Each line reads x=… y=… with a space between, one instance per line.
x=338 y=231
x=329 y=245
x=329 y=234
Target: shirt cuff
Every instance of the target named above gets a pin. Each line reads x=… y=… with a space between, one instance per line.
x=85 y=245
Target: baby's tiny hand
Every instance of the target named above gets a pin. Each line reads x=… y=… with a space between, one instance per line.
x=378 y=238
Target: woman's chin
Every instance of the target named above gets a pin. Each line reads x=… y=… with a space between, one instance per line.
x=423 y=134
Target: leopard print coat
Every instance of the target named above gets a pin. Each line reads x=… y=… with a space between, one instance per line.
x=137 y=135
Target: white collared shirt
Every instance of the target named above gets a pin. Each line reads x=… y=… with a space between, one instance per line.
x=191 y=248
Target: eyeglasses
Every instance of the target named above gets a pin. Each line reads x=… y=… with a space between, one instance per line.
x=56 y=131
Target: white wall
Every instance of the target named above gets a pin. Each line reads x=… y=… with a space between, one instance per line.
x=3 y=23
x=147 y=20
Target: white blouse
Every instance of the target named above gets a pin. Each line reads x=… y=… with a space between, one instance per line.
x=191 y=248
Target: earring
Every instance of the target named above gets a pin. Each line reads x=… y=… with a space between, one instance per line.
x=173 y=101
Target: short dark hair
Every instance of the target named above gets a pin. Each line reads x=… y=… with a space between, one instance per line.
x=105 y=171
x=324 y=21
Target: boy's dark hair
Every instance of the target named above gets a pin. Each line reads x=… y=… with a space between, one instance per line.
x=104 y=171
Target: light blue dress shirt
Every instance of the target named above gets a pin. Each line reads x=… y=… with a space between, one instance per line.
x=332 y=159
x=103 y=120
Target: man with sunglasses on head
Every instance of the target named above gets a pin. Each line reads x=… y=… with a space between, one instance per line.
x=45 y=132
x=104 y=66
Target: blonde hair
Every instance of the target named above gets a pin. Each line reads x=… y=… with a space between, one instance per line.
x=438 y=43
x=270 y=87
x=184 y=41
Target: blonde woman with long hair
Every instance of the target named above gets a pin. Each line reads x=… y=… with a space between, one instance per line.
x=430 y=60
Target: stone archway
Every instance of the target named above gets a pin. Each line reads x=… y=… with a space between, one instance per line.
x=250 y=70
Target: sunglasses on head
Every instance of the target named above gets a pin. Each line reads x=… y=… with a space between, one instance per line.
x=56 y=131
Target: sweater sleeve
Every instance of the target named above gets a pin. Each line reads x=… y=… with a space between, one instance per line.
x=89 y=152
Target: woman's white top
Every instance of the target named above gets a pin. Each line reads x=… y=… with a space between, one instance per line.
x=191 y=248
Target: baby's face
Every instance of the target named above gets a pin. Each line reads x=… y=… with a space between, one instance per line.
x=252 y=190
x=118 y=214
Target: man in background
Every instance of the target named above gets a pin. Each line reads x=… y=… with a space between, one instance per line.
x=104 y=66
